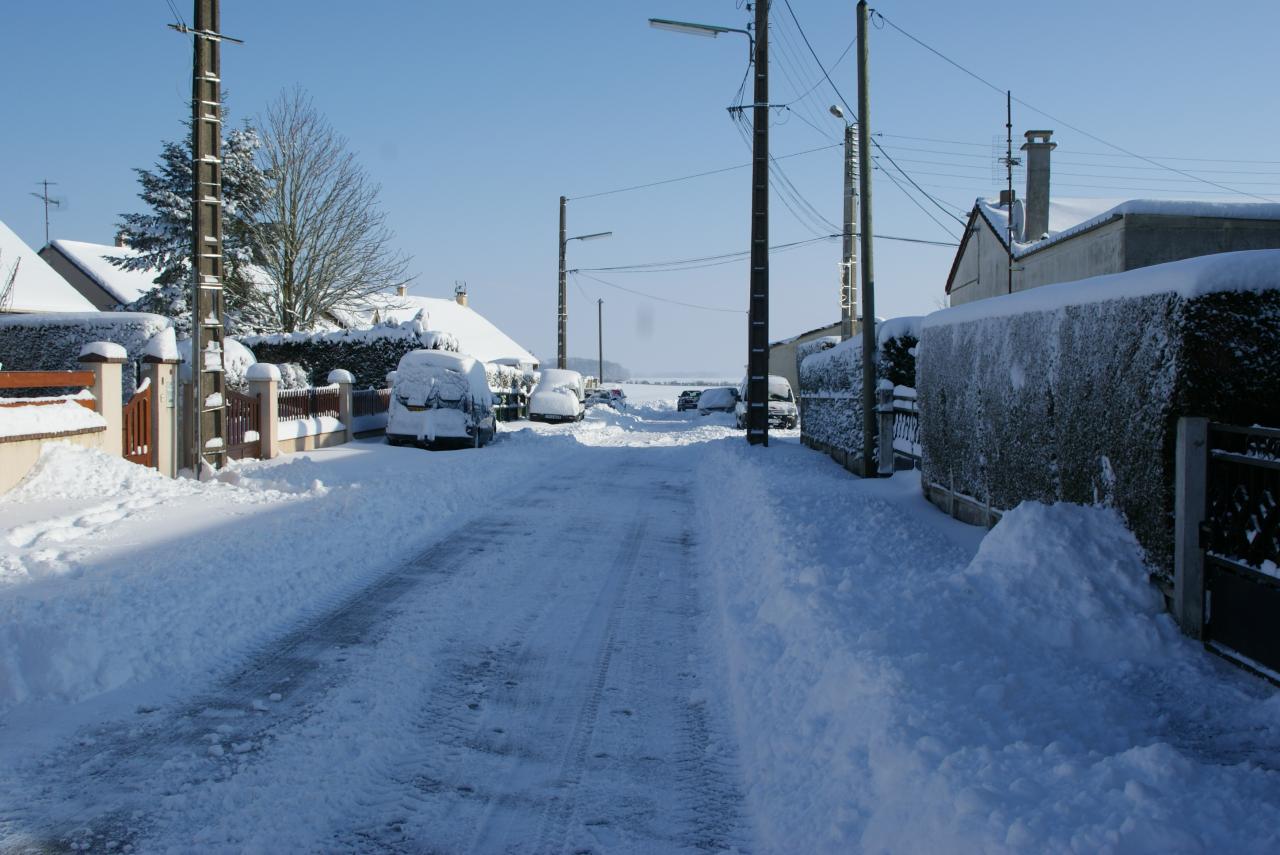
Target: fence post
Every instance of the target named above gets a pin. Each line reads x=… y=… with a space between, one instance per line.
x=162 y=371
x=104 y=360
x=345 y=380
x=884 y=407
x=1190 y=481
x=264 y=382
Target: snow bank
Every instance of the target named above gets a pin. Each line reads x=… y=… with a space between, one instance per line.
x=899 y=690
x=63 y=417
x=131 y=576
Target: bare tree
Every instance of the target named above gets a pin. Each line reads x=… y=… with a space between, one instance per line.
x=322 y=239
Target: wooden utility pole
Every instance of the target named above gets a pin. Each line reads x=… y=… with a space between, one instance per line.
x=758 y=307
x=868 y=277
x=600 y=337
x=562 y=312
x=208 y=304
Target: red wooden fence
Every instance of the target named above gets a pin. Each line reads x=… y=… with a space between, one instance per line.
x=137 y=429
x=242 y=426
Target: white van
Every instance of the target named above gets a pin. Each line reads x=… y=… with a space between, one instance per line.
x=558 y=397
x=782 y=404
x=439 y=398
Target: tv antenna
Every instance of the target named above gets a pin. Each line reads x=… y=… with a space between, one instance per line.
x=48 y=200
x=6 y=290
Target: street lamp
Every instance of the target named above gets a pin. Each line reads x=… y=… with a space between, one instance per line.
x=562 y=317
x=758 y=293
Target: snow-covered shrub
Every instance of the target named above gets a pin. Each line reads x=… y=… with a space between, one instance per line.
x=369 y=354
x=1072 y=392
x=52 y=342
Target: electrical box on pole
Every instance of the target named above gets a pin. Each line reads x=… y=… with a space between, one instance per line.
x=758 y=307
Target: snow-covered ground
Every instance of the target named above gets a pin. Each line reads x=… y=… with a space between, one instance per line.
x=631 y=634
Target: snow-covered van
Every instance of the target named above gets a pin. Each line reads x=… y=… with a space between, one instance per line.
x=782 y=404
x=557 y=397
x=439 y=398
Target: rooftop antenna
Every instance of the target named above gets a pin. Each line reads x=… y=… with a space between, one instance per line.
x=48 y=200
x=6 y=291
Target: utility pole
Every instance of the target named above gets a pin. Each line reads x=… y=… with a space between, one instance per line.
x=1009 y=163
x=758 y=307
x=44 y=197
x=868 y=277
x=849 y=265
x=207 y=431
x=600 y=337
x=562 y=312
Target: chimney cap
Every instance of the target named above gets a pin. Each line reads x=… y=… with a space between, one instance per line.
x=1038 y=138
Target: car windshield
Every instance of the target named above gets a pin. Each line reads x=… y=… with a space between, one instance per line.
x=779 y=395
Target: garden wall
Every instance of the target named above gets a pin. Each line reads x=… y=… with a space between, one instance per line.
x=1072 y=392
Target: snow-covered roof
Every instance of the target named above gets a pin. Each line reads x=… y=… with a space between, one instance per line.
x=1070 y=216
x=37 y=287
x=124 y=286
x=476 y=335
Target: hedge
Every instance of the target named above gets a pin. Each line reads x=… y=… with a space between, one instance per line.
x=1080 y=402
x=52 y=342
x=369 y=354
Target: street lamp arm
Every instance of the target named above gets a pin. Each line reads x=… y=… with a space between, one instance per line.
x=707 y=30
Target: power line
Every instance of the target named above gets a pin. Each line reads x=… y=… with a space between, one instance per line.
x=694 y=175
x=655 y=297
x=1053 y=118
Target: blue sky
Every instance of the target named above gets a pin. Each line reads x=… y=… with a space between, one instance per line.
x=476 y=117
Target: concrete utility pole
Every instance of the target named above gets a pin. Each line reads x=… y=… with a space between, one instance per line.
x=208 y=304
x=562 y=312
x=868 y=278
x=600 y=336
x=44 y=197
x=758 y=307
x=849 y=264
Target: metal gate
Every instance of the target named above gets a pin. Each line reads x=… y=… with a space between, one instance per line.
x=137 y=443
x=242 y=426
x=1241 y=541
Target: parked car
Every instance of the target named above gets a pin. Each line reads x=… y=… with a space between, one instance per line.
x=439 y=398
x=557 y=397
x=598 y=396
x=617 y=399
x=719 y=399
x=688 y=400
x=782 y=404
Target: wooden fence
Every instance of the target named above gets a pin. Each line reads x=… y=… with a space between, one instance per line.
x=46 y=383
x=370 y=402
x=307 y=403
x=243 y=439
x=136 y=428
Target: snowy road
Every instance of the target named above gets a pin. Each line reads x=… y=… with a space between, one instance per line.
x=530 y=682
x=632 y=634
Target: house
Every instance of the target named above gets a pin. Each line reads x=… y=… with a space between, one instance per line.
x=87 y=267
x=1014 y=244
x=477 y=336
x=29 y=285
x=782 y=354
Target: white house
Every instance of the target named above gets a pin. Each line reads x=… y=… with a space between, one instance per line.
x=29 y=285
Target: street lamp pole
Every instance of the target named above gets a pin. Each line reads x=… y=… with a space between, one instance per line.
x=849 y=263
x=600 y=338
x=758 y=288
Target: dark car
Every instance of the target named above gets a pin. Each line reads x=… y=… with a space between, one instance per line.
x=688 y=400
x=718 y=399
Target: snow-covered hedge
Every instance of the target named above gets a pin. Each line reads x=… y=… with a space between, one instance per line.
x=1072 y=392
x=367 y=353
x=52 y=342
x=510 y=386
x=831 y=382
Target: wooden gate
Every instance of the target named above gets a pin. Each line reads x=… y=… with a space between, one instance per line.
x=137 y=429
x=1241 y=541
x=242 y=426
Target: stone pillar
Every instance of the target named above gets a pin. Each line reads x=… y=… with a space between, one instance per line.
x=104 y=360
x=264 y=384
x=884 y=408
x=345 y=380
x=162 y=373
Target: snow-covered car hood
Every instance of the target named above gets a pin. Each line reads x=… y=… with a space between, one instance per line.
x=554 y=402
x=784 y=407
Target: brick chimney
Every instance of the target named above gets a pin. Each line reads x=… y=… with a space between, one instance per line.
x=1037 y=148
x=460 y=293
x=401 y=290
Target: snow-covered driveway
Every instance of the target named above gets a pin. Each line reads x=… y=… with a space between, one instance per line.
x=633 y=634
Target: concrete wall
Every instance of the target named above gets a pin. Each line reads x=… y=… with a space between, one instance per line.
x=1155 y=240
x=1094 y=253
x=18 y=454
x=311 y=442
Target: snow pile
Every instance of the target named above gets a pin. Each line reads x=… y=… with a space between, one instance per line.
x=132 y=576
x=105 y=350
x=163 y=346
x=899 y=689
x=66 y=416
